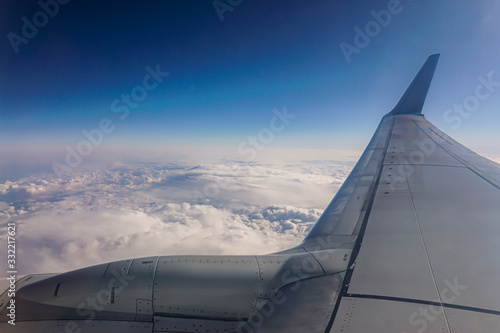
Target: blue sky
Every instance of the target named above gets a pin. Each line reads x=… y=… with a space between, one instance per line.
x=226 y=77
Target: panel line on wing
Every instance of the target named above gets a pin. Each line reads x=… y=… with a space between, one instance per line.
x=459 y=159
x=424 y=302
x=426 y=251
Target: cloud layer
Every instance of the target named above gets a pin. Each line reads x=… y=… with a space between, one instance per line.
x=131 y=210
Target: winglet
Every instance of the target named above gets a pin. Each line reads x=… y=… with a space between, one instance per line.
x=414 y=97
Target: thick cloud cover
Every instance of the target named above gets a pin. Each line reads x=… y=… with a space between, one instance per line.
x=134 y=210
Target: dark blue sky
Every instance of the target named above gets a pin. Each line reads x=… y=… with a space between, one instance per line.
x=225 y=77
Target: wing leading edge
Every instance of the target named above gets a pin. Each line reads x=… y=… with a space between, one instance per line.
x=344 y=215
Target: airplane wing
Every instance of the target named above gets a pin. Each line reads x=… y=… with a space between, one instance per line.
x=422 y=215
x=410 y=243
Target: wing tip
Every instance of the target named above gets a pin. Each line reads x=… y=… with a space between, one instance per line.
x=413 y=99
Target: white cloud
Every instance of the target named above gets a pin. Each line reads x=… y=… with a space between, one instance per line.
x=132 y=210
